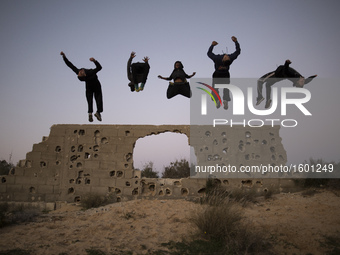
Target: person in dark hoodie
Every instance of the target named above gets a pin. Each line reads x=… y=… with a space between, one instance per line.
x=93 y=86
x=137 y=73
x=180 y=86
x=281 y=73
x=221 y=74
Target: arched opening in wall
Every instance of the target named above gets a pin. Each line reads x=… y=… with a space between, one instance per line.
x=161 y=150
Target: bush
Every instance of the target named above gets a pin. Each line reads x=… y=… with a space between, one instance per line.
x=4 y=210
x=17 y=213
x=5 y=167
x=223 y=224
x=15 y=252
x=93 y=200
x=177 y=169
x=216 y=194
x=218 y=222
x=316 y=183
x=148 y=172
x=243 y=195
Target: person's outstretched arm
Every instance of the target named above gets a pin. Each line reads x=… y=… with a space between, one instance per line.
x=69 y=64
x=146 y=69
x=164 y=78
x=189 y=76
x=129 y=73
x=237 y=52
x=98 y=66
x=210 y=53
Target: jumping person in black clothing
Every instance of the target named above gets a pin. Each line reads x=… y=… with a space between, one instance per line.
x=137 y=73
x=222 y=64
x=93 y=87
x=180 y=84
x=281 y=73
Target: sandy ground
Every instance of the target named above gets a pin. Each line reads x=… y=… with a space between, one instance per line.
x=293 y=223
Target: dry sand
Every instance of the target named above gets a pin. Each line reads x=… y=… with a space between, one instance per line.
x=294 y=224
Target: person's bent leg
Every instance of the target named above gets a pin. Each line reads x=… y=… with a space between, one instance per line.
x=185 y=90
x=171 y=91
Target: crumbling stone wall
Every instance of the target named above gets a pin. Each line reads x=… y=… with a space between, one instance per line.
x=77 y=159
x=238 y=146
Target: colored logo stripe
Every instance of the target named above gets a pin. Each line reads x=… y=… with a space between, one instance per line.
x=208 y=93
x=213 y=90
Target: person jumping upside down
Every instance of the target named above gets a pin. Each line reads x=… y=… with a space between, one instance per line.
x=281 y=73
x=93 y=86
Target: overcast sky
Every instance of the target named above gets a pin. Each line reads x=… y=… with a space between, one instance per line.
x=39 y=90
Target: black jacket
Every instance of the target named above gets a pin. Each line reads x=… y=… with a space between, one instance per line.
x=91 y=78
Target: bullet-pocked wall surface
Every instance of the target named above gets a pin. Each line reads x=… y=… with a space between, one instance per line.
x=78 y=159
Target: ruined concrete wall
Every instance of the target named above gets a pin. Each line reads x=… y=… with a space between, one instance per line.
x=238 y=146
x=77 y=159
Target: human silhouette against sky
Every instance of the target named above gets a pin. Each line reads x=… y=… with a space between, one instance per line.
x=282 y=72
x=221 y=74
x=93 y=86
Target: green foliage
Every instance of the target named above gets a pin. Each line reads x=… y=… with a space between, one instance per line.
x=177 y=169
x=148 y=172
x=5 y=167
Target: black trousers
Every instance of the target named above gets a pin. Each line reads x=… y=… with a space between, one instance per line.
x=221 y=78
x=96 y=93
x=270 y=80
x=178 y=88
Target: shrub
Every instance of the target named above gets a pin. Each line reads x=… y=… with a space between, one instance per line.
x=216 y=194
x=5 y=167
x=223 y=224
x=17 y=213
x=218 y=222
x=4 y=208
x=93 y=200
x=243 y=195
x=177 y=169
x=148 y=172
x=15 y=252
